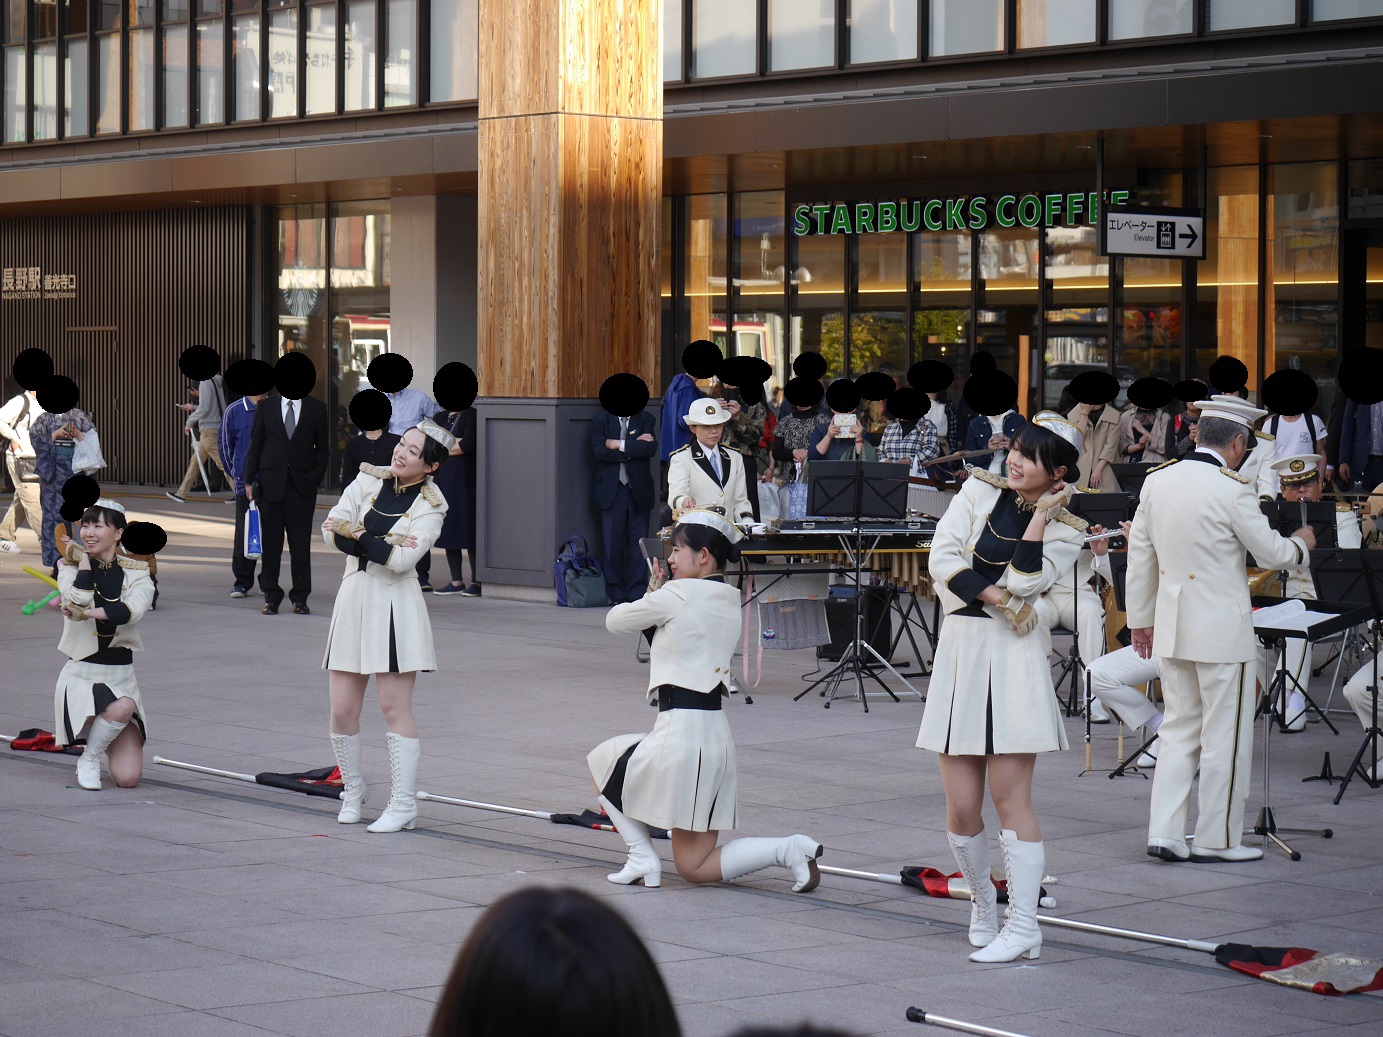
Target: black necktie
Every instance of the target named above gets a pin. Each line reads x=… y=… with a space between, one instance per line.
x=289 y=423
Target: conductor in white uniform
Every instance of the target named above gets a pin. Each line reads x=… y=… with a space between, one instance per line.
x=704 y=474
x=1188 y=604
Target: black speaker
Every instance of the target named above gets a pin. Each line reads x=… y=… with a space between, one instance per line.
x=876 y=616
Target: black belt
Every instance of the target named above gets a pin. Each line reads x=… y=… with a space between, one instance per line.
x=671 y=696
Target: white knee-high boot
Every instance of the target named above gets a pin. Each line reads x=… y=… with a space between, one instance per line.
x=972 y=854
x=346 y=748
x=742 y=857
x=98 y=740
x=402 y=811
x=644 y=864
x=1020 y=936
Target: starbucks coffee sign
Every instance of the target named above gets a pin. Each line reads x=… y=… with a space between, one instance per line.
x=959 y=213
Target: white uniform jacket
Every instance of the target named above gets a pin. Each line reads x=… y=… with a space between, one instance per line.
x=956 y=534
x=1186 y=573
x=137 y=594
x=422 y=521
x=698 y=625
x=690 y=475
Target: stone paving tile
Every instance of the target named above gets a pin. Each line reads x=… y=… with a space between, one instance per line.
x=255 y=899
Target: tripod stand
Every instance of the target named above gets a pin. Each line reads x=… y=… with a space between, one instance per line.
x=846 y=489
x=1350 y=576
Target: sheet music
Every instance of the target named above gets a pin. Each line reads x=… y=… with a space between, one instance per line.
x=1289 y=615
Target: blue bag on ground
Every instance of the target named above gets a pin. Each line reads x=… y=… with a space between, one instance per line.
x=578 y=577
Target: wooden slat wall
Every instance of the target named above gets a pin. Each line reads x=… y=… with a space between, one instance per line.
x=163 y=280
x=570 y=191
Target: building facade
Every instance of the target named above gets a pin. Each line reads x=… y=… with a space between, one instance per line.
x=880 y=180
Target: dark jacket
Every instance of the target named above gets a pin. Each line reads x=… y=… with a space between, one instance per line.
x=279 y=464
x=676 y=402
x=360 y=450
x=1355 y=433
x=634 y=456
x=977 y=435
x=237 y=425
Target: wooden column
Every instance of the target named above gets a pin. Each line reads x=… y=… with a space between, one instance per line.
x=570 y=188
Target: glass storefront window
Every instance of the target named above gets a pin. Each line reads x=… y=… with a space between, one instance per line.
x=1248 y=14
x=1138 y=19
x=1336 y=10
x=760 y=268
x=1006 y=317
x=1077 y=310
x=45 y=91
x=76 y=12
x=175 y=76
x=141 y=80
x=358 y=305
x=245 y=61
x=1148 y=332
x=725 y=38
x=14 y=24
x=966 y=26
x=1304 y=251
x=321 y=59
x=175 y=10
x=141 y=12
x=882 y=30
x=1366 y=190
x=283 y=63
x=209 y=7
x=74 y=98
x=941 y=303
x=360 y=55
x=801 y=34
x=1055 y=23
x=400 y=58
x=210 y=77
x=672 y=41
x=705 y=274
x=108 y=83
x=107 y=14
x=818 y=299
x=15 y=96
x=1227 y=280
x=455 y=57
x=878 y=306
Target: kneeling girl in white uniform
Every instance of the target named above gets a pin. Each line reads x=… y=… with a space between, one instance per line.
x=386 y=520
x=990 y=704
x=681 y=776
x=104 y=596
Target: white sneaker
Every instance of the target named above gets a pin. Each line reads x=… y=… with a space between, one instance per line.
x=10 y=547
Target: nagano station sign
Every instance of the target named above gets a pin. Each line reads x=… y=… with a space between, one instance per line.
x=964 y=212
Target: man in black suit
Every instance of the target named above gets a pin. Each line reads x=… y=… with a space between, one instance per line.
x=285 y=465
x=624 y=492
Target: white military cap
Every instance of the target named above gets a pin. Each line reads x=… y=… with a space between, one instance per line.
x=1055 y=423
x=715 y=520
x=1297 y=469
x=706 y=411
x=1230 y=408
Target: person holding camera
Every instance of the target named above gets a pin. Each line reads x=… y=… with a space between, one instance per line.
x=55 y=438
x=842 y=438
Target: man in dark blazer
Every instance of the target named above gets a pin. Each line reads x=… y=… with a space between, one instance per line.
x=285 y=465
x=624 y=493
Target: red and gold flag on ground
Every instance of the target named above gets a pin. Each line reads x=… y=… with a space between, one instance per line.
x=1330 y=974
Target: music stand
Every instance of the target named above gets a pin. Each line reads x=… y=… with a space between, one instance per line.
x=1341 y=615
x=1131 y=476
x=1288 y=516
x=1348 y=575
x=854 y=490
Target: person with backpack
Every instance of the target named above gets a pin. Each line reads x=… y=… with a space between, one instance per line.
x=1289 y=396
x=205 y=417
x=16 y=417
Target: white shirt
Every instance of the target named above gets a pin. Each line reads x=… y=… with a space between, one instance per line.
x=1292 y=436
x=13 y=427
x=297 y=405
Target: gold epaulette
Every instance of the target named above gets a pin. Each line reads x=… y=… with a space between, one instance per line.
x=986 y=476
x=1164 y=464
x=432 y=495
x=132 y=563
x=1235 y=475
x=679 y=450
x=1074 y=521
x=1341 y=506
x=1265 y=436
x=375 y=470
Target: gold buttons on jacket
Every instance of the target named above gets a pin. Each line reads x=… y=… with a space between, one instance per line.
x=1191 y=576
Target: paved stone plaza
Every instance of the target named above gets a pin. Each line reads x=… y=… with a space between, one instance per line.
x=205 y=907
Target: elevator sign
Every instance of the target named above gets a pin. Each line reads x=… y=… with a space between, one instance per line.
x=1159 y=233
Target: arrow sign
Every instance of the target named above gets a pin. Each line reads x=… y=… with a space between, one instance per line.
x=1160 y=233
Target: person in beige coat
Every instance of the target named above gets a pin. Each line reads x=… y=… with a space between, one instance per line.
x=991 y=707
x=1188 y=605
x=682 y=775
x=1097 y=420
x=386 y=520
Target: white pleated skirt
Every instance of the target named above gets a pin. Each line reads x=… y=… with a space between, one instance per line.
x=679 y=775
x=75 y=698
x=366 y=608
x=990 y=691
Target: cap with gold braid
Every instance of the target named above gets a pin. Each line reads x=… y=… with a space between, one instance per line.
x=712 y=519
x=432 y=430
x=1297 y=469
x=1055 y=423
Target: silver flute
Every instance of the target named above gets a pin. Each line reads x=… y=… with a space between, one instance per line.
x=1105 y=535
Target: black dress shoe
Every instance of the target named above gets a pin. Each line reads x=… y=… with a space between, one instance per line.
x=269 y=610
x=300 y=609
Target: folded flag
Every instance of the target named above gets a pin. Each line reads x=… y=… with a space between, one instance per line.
x=1330 y=974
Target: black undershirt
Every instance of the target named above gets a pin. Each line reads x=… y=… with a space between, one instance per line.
x=1000 y=545
x=388 y=507
x=107 y=580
